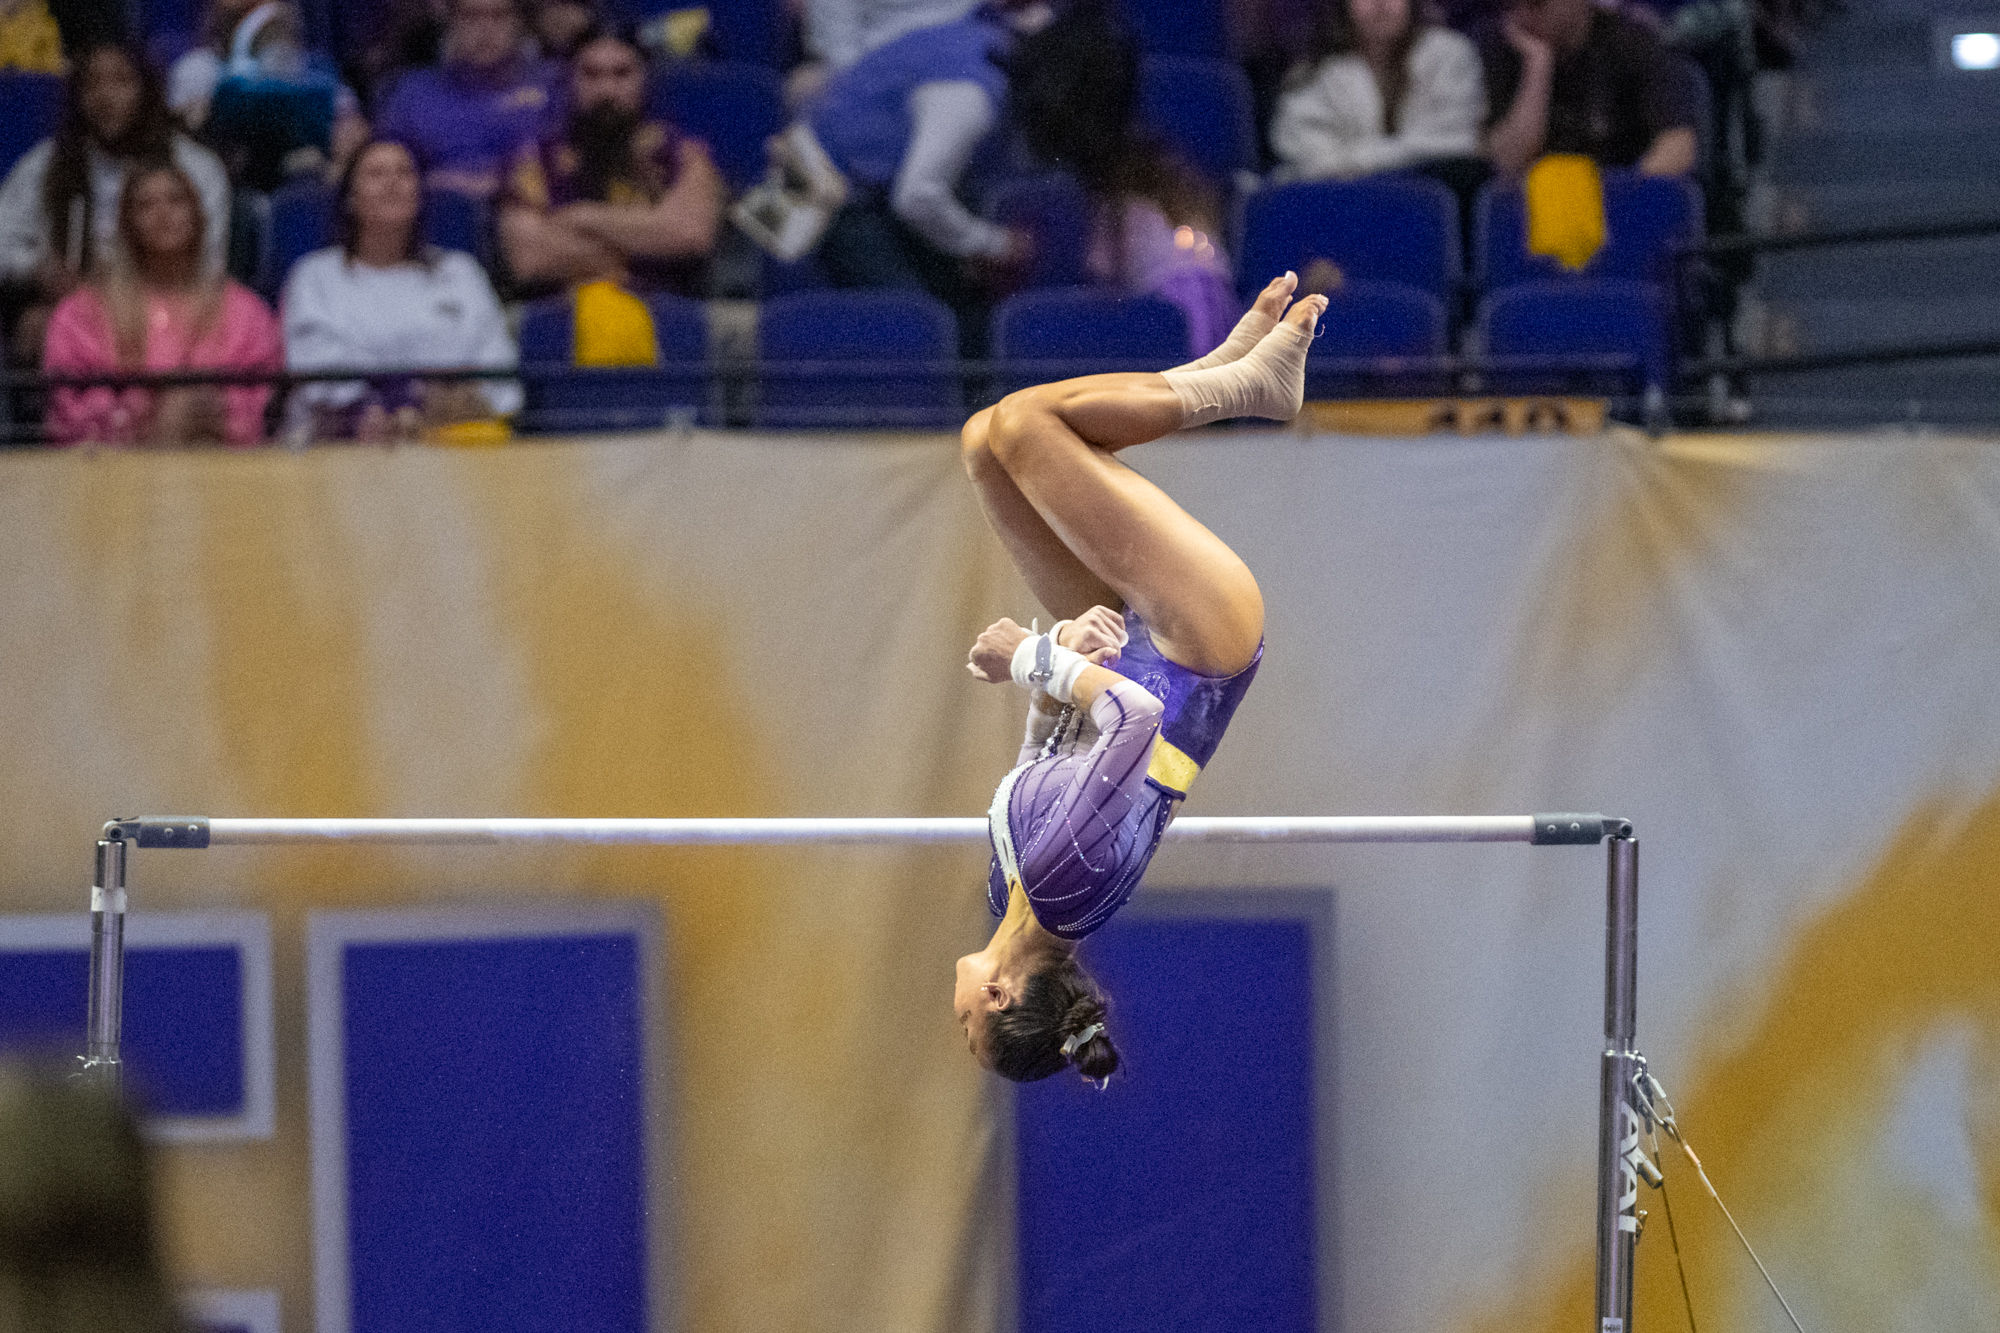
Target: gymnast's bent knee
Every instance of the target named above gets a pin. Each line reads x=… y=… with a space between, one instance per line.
x=974 y=451
x=1018 y=420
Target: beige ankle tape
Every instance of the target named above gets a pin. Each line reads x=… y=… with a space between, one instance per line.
x=1267 y=382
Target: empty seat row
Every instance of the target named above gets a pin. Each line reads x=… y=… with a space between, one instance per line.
x=888 y=359
x=1405 y=229
x=1387 y=250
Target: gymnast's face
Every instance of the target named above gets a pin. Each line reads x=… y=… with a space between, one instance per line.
x=977 y=993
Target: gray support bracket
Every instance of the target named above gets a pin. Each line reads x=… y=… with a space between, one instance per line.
x=189 y=831
x=1578 y=830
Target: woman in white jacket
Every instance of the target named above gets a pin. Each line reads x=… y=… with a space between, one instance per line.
x=384 y=299
x=1383 y=92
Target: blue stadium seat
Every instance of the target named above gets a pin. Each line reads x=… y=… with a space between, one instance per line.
x=804 y=274
x=31 y=106
x=1383 y=322
x=731 y=105
x=1056 y=212
x=871 y=330
x=454 y=221
x=1579 y=317
x=1386 y=228
x=753 y=31
x=1088 y=329
x=1203 y=108
x=1179 y=27
x=564 y=397
x=303 y=220
x=1645 y=219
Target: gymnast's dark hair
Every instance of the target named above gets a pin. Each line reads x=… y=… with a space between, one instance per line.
x=1026 y=1038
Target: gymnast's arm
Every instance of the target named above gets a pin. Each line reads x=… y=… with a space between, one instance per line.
x=1098 y=633
x=1043 y=714
x=1100 y=788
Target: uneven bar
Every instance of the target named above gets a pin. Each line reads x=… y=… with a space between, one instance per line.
x=198 y=832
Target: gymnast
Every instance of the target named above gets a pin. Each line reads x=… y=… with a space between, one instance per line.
x=1140 y=586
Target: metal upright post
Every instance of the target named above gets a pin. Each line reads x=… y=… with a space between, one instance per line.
x=107 y=964
x=1620 y=1123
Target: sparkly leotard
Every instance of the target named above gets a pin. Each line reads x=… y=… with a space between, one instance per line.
x=1081 y=824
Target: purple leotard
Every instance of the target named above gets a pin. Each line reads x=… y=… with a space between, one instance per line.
x=1084 y=823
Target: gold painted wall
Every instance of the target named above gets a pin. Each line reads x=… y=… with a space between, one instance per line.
x=1775 y=655
x=715 y=628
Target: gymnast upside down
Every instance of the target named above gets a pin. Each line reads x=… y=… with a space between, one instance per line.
x=1160 y=630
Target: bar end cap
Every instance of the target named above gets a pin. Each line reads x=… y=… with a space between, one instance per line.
x=1578 y=830
x=189 y=831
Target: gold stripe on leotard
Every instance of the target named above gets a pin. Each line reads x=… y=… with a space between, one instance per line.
x=1171 y=768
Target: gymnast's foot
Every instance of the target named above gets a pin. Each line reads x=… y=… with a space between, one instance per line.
x=1258 y=321
x=1267 y=381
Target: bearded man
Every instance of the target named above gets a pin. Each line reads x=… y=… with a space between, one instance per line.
x=613 y=195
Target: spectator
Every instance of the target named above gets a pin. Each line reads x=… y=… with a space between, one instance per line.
x=614 y=195
x=157 y=308
x=465 y=118
x=59 y=205
x=409 y=35
x=902 y=124
x=291 y=112
x=1074 y=89
x=382 y=297
x=192 y=78
x=1573 y=78
x=561 y=27
x=1383 y=91
x=78 y=1252
x=87 y=23
x=840 y=32
x=30 y=42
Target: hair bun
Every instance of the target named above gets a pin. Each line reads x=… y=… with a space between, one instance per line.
x=1094 y=1057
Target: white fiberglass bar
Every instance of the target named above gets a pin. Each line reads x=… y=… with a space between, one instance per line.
x=1618 y=1189
x=682 y=832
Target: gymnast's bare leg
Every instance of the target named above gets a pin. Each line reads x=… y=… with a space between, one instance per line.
x=1086 y=530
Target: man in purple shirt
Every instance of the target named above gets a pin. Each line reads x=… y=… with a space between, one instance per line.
x=464 y=118
x=612 y=194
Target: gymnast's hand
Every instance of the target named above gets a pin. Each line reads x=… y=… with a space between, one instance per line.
x=1098 y=634
x=992 y=654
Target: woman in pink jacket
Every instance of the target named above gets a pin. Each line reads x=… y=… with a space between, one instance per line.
x=156 y=309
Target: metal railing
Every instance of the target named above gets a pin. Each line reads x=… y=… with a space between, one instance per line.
x=927 y=394
x=1881 y=354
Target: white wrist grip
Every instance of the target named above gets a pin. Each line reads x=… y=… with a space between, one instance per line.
x=1040 y=663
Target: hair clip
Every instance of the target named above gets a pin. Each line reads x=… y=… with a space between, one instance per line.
x=1070 y=1047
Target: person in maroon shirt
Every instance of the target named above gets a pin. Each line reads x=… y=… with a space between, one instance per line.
x=1573 y=78
x=612 y=195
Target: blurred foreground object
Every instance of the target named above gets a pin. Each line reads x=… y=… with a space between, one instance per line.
x=77 y=1249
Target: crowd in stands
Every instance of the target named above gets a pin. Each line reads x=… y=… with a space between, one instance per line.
x=131 y=237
